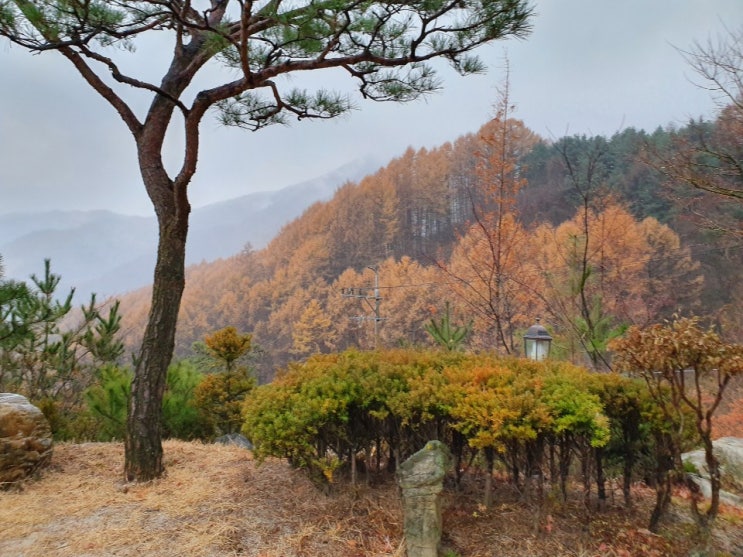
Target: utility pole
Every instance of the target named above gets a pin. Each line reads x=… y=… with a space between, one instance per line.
x=367 y=295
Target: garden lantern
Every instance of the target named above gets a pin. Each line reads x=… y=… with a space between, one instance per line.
x=537 y=342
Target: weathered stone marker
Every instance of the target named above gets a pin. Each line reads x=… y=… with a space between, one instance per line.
x=421 y=478
x=25 y=439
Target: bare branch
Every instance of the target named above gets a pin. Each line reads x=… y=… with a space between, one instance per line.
x=126 y=113
x=121 y=78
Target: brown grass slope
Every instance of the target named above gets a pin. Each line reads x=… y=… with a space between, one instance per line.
x=215 y=501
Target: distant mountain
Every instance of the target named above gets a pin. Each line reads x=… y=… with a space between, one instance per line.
x=82 y=246
x=222 y=229
x=109 y=253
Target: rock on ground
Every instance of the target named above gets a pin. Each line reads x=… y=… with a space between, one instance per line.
x=25 y=439
x=729 y=450
x=235 y=439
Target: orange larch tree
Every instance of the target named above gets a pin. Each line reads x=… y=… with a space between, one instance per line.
x=487 y=267
x=622 y=273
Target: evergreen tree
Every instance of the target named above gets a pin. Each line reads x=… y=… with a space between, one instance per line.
x=386 y=46
x=449 y=336
x=48 y=351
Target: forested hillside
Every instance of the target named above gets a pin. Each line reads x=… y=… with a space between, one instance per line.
x=591 y=234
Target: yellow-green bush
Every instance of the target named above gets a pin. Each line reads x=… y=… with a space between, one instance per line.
x=348 y=403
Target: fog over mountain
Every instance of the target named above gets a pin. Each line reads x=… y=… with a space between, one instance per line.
x=109 y=253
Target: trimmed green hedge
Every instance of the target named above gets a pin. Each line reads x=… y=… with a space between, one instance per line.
x=383 y=406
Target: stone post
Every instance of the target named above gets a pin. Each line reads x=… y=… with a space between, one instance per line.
x=421 y=478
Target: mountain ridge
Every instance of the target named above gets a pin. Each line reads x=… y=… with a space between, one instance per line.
x=110 y=253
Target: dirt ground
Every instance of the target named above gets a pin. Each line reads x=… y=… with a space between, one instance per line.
x=216 y=501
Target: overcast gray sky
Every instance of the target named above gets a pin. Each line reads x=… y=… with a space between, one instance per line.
x=589 y=67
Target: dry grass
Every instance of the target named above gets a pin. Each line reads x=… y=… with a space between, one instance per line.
x=216 y=502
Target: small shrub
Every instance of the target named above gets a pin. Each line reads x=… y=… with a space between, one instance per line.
x=181 y=418
x=108 y=401
x=690 y=468
x=219 y=399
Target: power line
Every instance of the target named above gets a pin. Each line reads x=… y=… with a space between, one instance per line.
x=367 y=294
x=555 y=269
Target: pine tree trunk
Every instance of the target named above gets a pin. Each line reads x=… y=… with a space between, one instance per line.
x=143 y=446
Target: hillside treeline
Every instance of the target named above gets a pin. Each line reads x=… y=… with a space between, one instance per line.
x=591 y=234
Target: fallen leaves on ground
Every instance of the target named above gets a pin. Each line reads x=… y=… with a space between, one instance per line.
x=216 y=501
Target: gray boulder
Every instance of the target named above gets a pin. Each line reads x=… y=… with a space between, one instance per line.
x=235 y=439
x=729 y=451
x=25 y=439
